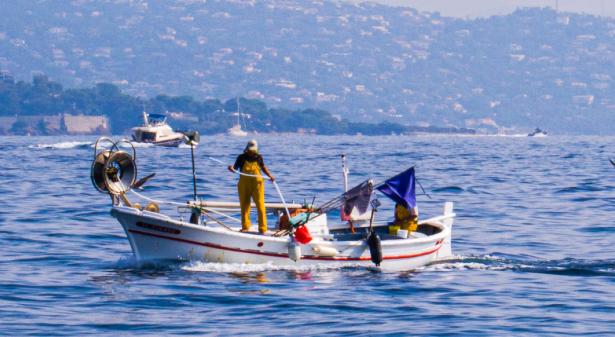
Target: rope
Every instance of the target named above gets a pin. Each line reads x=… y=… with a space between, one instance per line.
x=216 y=160
x=219 y=222
x=158 y=201
x=422 y=188
x=220 y=213
x=186 y=205
x=281 y=197
x=237 y=172
x=277 y=188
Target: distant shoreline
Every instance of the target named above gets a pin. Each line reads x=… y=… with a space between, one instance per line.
x=104 y=110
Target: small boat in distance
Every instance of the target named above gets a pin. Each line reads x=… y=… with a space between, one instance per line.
x=155 y=130
x=236 y=130
x=537 y=133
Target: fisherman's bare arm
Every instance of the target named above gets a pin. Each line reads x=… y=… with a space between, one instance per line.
x=266 y=170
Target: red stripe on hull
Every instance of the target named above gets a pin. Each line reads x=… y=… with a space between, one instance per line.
x=309 y=257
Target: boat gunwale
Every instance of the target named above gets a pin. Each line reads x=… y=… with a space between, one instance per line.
x=443 y=234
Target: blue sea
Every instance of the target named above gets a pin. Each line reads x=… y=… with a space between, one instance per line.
x=534 y=242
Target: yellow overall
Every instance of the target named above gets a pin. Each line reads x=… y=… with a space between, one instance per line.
x=404 y=219
x=252 y=188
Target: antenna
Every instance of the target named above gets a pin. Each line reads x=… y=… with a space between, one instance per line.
x=345 y=172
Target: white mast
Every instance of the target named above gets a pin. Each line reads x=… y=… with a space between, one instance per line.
x=345 y=172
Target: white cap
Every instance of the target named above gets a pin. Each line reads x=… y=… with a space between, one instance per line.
x=252 y=145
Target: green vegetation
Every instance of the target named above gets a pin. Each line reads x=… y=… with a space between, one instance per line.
x=46 y=98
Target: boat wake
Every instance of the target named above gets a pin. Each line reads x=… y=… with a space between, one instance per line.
x=568 y=266
x=135 y=144
x=565 y=267
x=488 y=135
x=63 y=145
x=83 y=145
x=198 y=266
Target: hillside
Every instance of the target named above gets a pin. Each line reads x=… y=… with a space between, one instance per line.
x=44 y=107
x=365 y=62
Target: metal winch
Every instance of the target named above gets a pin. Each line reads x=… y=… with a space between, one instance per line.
x=113 y=171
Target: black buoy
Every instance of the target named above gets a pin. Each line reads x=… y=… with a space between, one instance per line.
x=375 y=248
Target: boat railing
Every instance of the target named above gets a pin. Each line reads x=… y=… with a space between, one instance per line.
x=231 y=205
x=437 y=218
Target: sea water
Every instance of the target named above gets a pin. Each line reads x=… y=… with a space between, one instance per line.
x=533 y=241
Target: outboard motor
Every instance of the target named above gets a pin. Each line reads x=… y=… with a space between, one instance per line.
x=113 y=171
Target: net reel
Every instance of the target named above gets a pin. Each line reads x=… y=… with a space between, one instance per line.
x=113 y=171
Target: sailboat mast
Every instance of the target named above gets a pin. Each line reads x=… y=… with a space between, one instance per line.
x=237 y=108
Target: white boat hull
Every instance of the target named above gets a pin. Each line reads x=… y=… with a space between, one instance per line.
x=236 y=131
x=155 y=236
x=173 y=142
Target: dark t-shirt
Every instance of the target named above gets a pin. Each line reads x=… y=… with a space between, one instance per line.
x=246 y=156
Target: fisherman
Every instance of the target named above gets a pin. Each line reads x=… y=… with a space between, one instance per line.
x=251 y=188
x=405 y=218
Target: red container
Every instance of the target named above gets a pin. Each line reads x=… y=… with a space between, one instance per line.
x=302 y=235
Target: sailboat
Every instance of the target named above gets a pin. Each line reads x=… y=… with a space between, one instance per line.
x=236 y=130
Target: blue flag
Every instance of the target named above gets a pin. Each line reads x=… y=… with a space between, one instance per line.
x=401 y=188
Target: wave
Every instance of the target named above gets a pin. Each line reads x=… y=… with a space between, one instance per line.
x=135 y=144
x=63 y=145
x=568 y=266
x=564 y=267
x=579 y=188
x=449 y=189
x=199 y=266
x=514 y=135
x=84 y=145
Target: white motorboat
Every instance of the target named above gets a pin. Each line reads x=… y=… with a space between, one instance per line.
x=210 y=237
x=155 y=130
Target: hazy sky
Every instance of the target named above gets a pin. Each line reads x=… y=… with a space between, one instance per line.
x=474 y=8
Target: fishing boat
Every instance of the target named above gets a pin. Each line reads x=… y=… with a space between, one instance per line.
x=155 y=130
x=537 y=133
x=205 y=230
